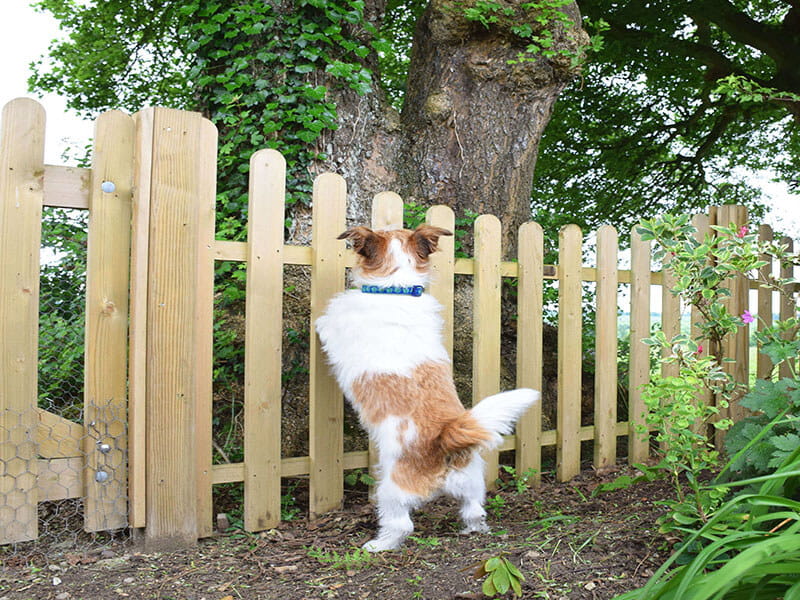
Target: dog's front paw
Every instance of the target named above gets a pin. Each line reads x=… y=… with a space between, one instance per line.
x=382 y=544
x=475 y=527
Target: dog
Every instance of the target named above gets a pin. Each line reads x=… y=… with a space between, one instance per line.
x=383 y=341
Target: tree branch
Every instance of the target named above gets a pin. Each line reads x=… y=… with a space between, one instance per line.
x=770 y=39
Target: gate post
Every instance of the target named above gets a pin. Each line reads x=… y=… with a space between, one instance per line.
x=173 y=237
x=21 y=195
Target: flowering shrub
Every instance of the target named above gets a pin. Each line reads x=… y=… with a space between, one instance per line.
x=677 y=409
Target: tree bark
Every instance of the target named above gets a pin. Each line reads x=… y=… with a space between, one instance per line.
x=473 y=114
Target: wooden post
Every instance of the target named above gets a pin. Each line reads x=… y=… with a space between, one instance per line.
x=21 y=171
x=486 y=321
x=107 y=280
x=137 y=354
x=179 y=307
x=387 y=213
x=704 y=395
x=570 y=353
x=605 y=388
x=529 y=346
x=670 y=316
x=734 y=346
x=788 y=308
x=263 y=341
x=325 y=403
x=639 y=368
x=443 y=269
x=764 y=365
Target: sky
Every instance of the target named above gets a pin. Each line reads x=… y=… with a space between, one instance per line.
x=25 y=35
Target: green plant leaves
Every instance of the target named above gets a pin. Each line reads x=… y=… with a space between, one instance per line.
x=501 y=575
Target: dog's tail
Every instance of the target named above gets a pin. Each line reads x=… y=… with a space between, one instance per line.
x=485 y=423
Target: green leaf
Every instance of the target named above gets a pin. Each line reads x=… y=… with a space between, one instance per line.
x=501 y=580
x=493 y=563
x=488 y=587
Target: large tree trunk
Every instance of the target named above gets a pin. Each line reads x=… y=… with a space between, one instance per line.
x=469 y=132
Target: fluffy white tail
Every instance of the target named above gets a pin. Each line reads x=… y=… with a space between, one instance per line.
x=498 y=414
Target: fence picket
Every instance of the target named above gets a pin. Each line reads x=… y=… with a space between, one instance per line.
x=639 y=365
x=137 y=355
x=486 y=320
x=21 y=169
x=325 y=402
x=443 y=269
x=529 y=346
x=570 y=355
x=605 y=401
x=263 y=341
x=736 y=345
x=107 y=282
x=670 y=315
x=764 y=363
x=183 y=161
x=788 y=309
x=206 y=176
x=387 y=213
x=704 y=395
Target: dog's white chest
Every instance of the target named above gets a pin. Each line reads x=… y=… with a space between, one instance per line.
x=378 y=334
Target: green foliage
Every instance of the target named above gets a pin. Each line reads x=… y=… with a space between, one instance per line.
x=534 y=23
x=427 y=542
x=62 y=300
x=357 y=476
x=749 y=548
x=116 y=54
x=414 y=215
x=649 y=126
x=501 y=575
x=763 y=440
x=623 y=482
x=519 y=483
x=351 y=560
x=289 y=508
x=496 y=505
x=744 y=544
x=258 y=74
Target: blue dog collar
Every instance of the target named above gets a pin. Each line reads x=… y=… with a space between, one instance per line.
x=409 y=290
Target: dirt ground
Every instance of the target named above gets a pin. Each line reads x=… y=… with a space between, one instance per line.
x=567 y=543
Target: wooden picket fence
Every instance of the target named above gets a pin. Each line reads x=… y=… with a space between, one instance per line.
x=149 y=312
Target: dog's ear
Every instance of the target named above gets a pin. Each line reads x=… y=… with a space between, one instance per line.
x=425 y=239
x=364 y=240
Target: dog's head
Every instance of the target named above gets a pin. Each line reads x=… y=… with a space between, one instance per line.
x=393 y=257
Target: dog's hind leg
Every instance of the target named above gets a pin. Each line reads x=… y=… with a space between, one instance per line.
x=467 y=486
x=394 y=517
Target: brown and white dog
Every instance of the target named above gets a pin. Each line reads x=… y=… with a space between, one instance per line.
x=384 y=344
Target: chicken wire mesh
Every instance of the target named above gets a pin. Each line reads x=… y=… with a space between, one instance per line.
x=63 y=481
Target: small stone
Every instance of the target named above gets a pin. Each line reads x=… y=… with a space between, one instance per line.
x=56 y=580
x=107 y=554
x=54 y=567
x=63 y=596
x=223 y=522
x=285 y=569
x=590 y=586
x=128 y=580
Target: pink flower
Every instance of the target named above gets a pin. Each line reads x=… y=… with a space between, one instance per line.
x=700 y=349
x=747 y=317
x=743 y=230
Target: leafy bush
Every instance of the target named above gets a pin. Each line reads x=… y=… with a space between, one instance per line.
x=744 y=544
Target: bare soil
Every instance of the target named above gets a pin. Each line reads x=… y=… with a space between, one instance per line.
x=567 y=543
